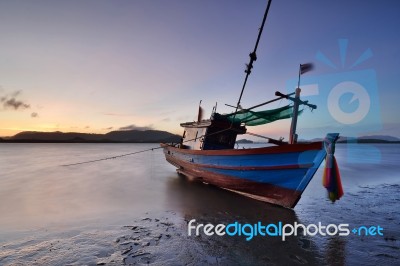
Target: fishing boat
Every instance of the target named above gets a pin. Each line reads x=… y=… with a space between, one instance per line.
x=277 y=174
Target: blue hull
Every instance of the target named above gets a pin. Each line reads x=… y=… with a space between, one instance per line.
x=276 y=174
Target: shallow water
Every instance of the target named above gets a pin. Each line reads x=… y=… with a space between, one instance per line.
x=135 y=209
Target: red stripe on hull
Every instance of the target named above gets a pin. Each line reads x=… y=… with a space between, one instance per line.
x=265 y=150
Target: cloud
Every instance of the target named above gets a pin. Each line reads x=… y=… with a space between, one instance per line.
x=87 y=127
x=134 y=127
x=10 y=101
x=34 y=114
x=116 y=114
x=166 y=120
x=13 y=103
x=107 y=128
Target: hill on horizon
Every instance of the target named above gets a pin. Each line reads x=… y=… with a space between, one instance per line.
x=133 y=136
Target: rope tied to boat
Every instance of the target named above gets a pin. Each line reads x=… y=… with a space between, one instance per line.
x=331 y=177
x=112 y=157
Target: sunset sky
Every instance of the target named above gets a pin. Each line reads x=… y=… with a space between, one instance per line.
x=96 y=66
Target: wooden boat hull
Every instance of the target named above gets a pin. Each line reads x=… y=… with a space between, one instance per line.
x=277 y=174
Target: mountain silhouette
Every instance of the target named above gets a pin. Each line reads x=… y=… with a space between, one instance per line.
x=131 y=136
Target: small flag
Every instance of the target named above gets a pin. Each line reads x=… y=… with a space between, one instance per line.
x=331 y=178
x=304 y=68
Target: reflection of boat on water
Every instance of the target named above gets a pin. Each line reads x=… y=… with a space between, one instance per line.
x=277 y=174
x=216 y=205
x=208 y=204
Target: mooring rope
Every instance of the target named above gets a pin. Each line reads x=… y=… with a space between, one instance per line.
x=151 y=149
x=112 y=157
x=136 y=152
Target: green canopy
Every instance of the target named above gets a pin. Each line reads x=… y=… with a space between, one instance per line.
x=252 y=118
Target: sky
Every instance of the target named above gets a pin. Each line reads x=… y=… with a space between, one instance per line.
x=97 y=66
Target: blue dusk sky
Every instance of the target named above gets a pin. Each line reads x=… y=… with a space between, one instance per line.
x=96 y=66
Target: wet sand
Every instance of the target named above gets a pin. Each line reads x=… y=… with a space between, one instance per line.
x=161 y=238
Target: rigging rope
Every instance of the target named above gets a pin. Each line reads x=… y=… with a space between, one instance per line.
x=253 y=55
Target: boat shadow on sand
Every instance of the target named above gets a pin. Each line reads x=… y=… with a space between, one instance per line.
x=162 y=238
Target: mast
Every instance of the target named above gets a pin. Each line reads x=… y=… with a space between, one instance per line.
x=293 y=135
x=293 y=125
x=303 y=68
x=253 y=56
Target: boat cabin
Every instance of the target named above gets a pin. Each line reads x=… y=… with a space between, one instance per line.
x=216 y=133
